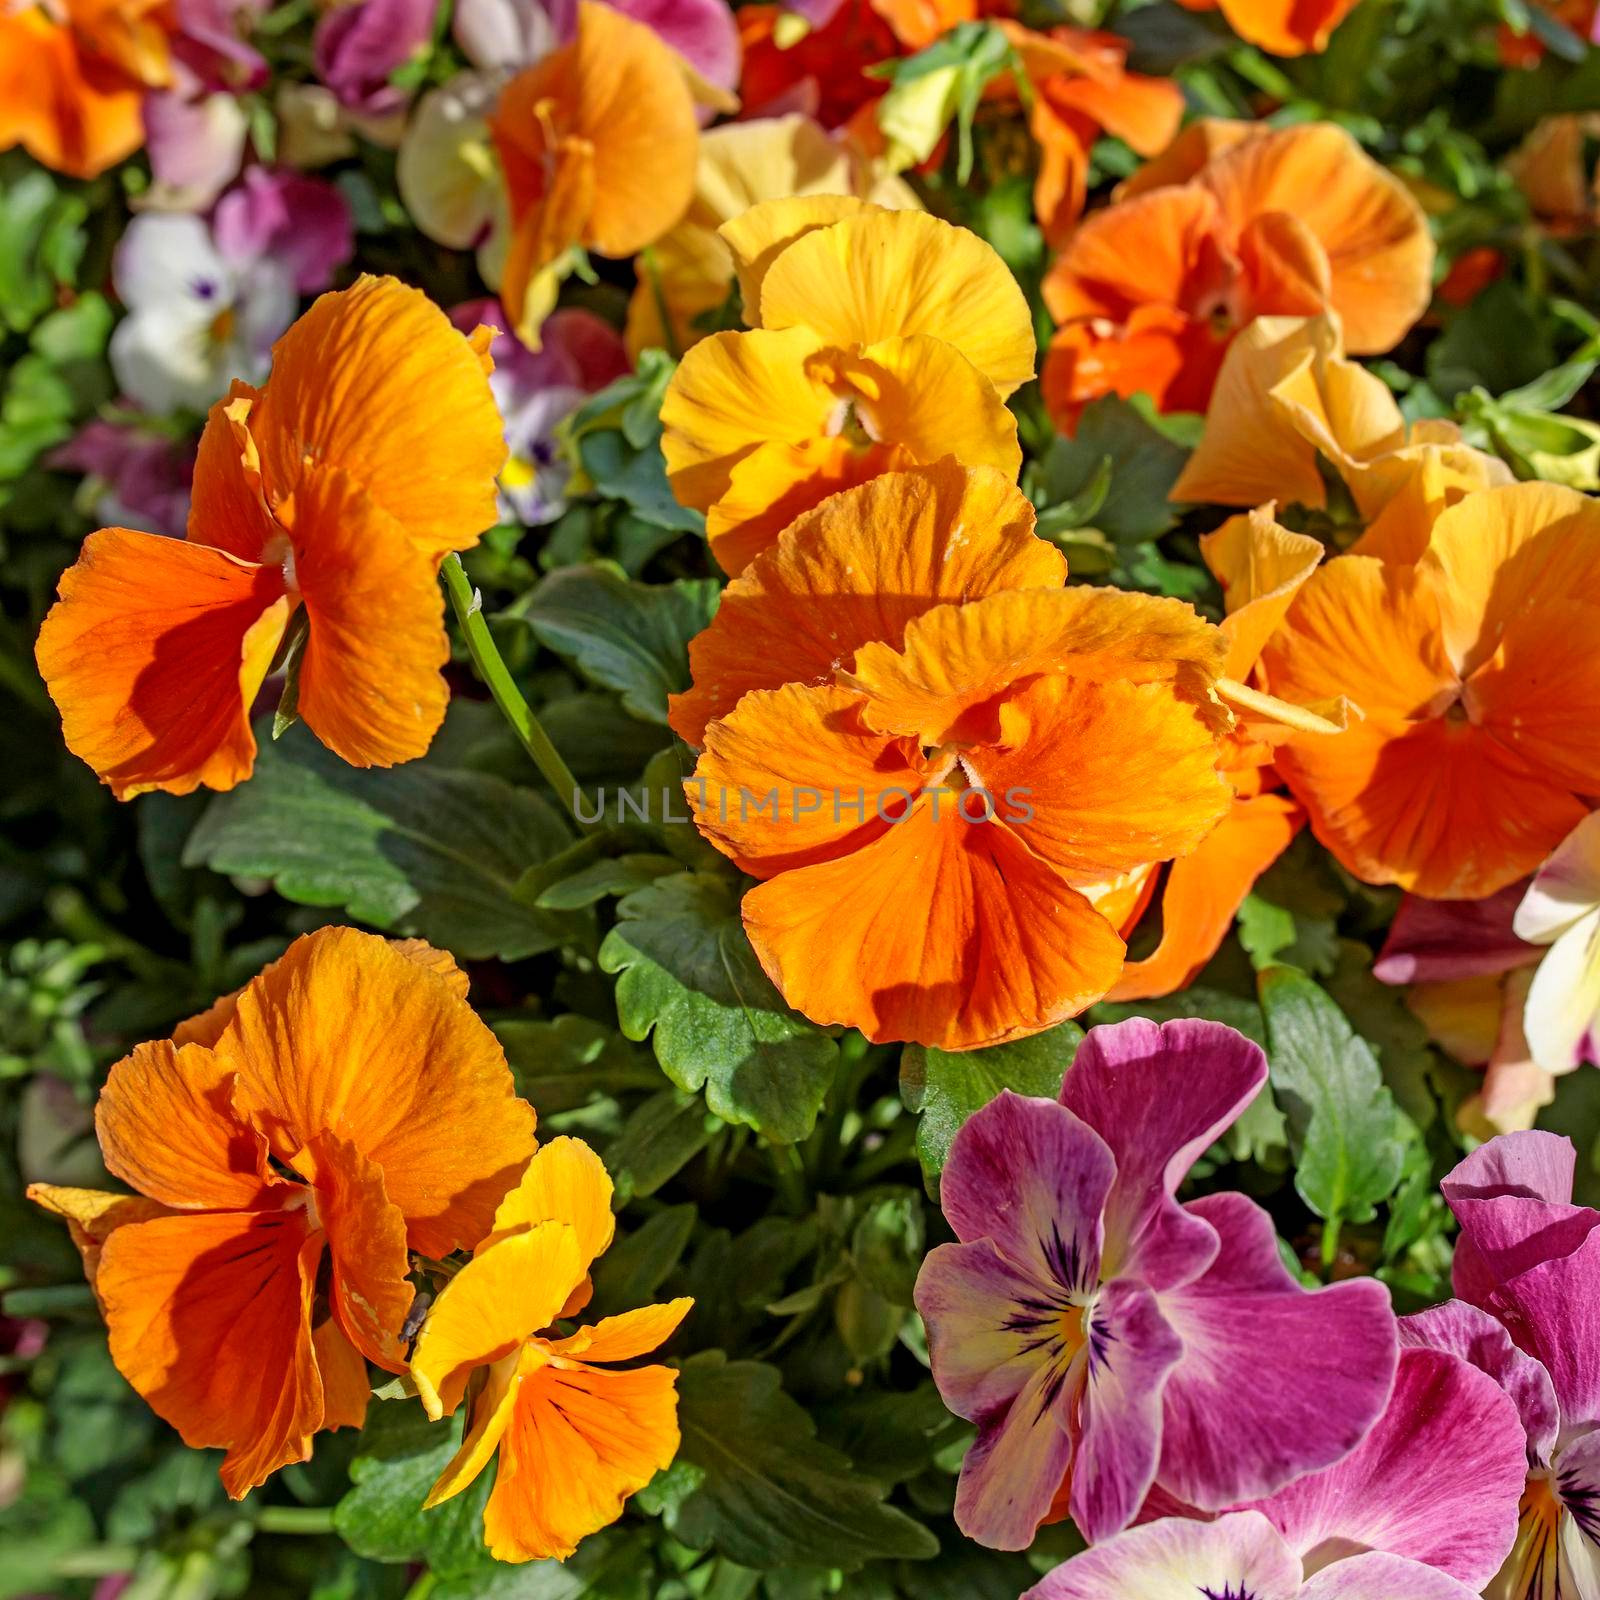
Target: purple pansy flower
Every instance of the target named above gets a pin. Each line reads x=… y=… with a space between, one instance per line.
x=140 y=478
x=357 y=47
x=536 y=391
x=1088 y=1321
x=301 y=222
x=1527 y=1273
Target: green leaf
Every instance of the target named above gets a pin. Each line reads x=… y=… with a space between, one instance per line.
x=946 y=1087
x=660 y=1138
x=631 y=1272
x=626 y=636
x=1144 y=465
x=1498 y=343
x=610 y=1565
x=1347 y=1135
x=769 y=1493
x=690 y=978
x=569 y=1060
x=398 y=1458
x=41 y=240
x=414 y=850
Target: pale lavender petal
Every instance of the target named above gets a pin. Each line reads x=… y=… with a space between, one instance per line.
x=1562 y=1019
x=1132 y=1351
x=1384 y=1577
x=1242 y=1557
x=1438 y=1480
x=357 y=46
x=1473 y=1335
x=1032 y=1177
x=195 y=146
x=1578 y=1485
x=1276 y=1380
x=1013 y=1468
x=1433 y=940
x=989 y=1326
x=703 y=32
x=511 y=34
x=1159 y=1096
x=300 y=221
x=1565 y=888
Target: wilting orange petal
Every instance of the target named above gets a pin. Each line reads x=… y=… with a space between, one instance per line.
x=375 y=380
x=370 y=687
x=505 y=1294
x=346 y=1388
x=942 y=931
x=367 y=1244
x=792 y=775
x=579 y=1442
x=210 y=1320
x=859 y=567
x=167 y=1125
x=345 y=1034
x=758 y=236
x=1116 y=774
x=1204 y=890
x=889 y=274
x=564 y=1182
x=955 y=658
x=154 y=653
x=1380 y=253
x=1261 y=567
x=629 y=1334
x=93 y=1215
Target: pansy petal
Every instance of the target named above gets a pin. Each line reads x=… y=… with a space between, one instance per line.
x=887 y=274
x=488 y=1417
x=626 y=1335
x=441 y=1119
x=1175 y=1559
x=1275 y=1381
x=344 y=388
x=154 y=654
x=210 y=1320
x=1563 y=1009
x=1375 y=1576
x=1160 y=1095
x=1476 y=1337
x=346 y=1384
x=1010 y=1471
x=942 y=930
x=93 y=1215
x=580 y=1441
x=1533 y=1166
x=497 y=1301
x=1435 y=941
x=1032 y=1178
x=1261 y=567
x=1132 y=1353
x=1437 y=1480
x=758 y=236
x=834 y=581
x=1565 y=888
x=1578 y=1486
x=564 y=1182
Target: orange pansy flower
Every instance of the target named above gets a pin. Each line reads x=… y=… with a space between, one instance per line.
x=1287 y=399
x=1081 y=85
x=1473 y=663
x=824 y=72
x=575 y=1438
x=597 y=142
x=1261 y=567
x=340 y=486
x=883 y=339
x=1283 y=27
x=937 y=813
x=351 y=1109
x=1292 y=221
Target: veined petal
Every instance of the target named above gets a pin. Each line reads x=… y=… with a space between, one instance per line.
x=1432 y=941
x=1376 y=1576
x=835 y=580
x=758 y=236
x=626 y=1335
x=1565 y=889
x=488 y=1417
x=210 y=1320
x=441 y=1118
x=1562 y=1019
x=491 y=1307
x=346 y=1387
x=154 y=653
x=1261 y=567
x=579 y=1442
x=93 y=1215
x=564 y=1182
x=887 y=274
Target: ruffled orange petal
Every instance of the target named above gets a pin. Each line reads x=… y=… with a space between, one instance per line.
x=1189 y=153
x=168 y=1125
x=1284 y=27
x=1115 y=774
x=506 y=1293
x=344 y=1034
x=210 y=1320
x=489 y=1414
x=346 y=1388
x=1261 y=567
x=857 y=568
x=153 y=655
x=629 y=1334
x=1380 y=253
x=565 y=1181
x=1205 y=889
x=579 y=1442
x=227 y=506
x=758 y=236
x=371 y=686
x=375 y=380
x=957 y=658
x=93 y=1215
x=1159 y=352
x=1061 y=185
x=889 y=274
x=942 y=931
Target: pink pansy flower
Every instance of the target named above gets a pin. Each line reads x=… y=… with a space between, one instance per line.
x=537 y=390
x=1527 y=1273
x=301 y=222
x=1561 y=910
x=140 y=479
x=359 y=46
x=1089 y=1323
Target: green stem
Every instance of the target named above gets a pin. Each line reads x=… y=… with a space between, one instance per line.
x=295 y=1519
x=98 y=1561
x=502 y=686
x=790 y=1173
x=1330 y=1244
